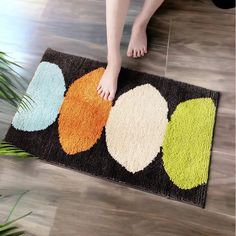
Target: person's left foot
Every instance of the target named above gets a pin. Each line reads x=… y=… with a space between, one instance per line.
x=138 y=42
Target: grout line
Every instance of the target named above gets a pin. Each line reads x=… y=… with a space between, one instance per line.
x=168 y=44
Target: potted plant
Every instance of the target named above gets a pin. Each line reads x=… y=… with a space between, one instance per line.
x=10 y=81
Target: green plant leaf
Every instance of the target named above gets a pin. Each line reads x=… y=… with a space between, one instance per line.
x=4 y=231
x=8 y=90
x=12 y=230
x=8 y=149
x=12 y=221
x=17 y=201
x=16 y=233
x=7 y=229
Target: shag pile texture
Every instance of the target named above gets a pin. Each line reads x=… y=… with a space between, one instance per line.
x=156 y=135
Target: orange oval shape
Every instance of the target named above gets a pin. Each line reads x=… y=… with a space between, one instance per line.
x=83 y=114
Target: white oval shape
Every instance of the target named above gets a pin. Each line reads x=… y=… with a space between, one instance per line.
x=47 y=89
x=136 y=126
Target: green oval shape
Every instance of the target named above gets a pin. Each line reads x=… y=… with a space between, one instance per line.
x=187 y=142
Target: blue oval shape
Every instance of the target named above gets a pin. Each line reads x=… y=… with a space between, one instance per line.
x=47 y=89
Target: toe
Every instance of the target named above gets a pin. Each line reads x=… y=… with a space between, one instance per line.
x=111 y=96
x=129 y=52
x=138 y=53
x=145 y=50
x=99 y=86
x=106 y=95
x=142 y=52
x=102 y=94
x=135 y=54
x=100 y=90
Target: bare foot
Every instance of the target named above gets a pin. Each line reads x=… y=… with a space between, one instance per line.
x=138 y=41
x=108 y=83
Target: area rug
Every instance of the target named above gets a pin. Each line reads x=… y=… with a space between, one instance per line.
x=155 y=136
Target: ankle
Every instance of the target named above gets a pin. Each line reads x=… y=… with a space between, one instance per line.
x=114 y=60
x=139 y=24
x=114 y=67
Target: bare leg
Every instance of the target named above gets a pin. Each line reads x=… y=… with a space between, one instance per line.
x=138 y=40
x=116 y=11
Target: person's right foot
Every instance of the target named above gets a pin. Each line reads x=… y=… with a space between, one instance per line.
x=108 y=84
